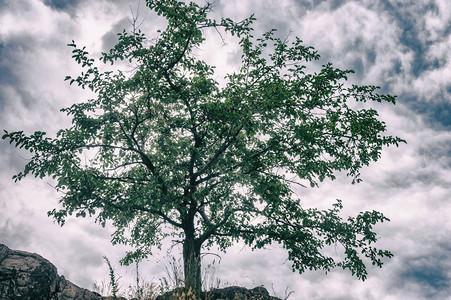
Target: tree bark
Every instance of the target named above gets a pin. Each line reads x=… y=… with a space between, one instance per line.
x=191 y=263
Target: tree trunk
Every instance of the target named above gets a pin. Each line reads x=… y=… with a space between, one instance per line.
x=191 y=263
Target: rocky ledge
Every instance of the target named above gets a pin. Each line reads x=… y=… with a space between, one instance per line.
x=25 y=275
x=29 y=276
x=227 y=293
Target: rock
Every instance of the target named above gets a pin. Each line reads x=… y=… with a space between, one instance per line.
x=177 y=293
x=25 y=275
x=228 y=293
x=240 y=293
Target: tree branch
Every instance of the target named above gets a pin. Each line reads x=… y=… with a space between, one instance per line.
x=227 y=142
x=144 y=209
x=212 y=228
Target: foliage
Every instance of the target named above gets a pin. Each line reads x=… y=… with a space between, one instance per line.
x=165 y=150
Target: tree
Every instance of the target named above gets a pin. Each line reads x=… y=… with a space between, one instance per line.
x=175 y=153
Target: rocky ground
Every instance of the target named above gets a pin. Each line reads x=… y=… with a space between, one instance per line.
x=29 y=276
x=231 y=292
x=26 y=275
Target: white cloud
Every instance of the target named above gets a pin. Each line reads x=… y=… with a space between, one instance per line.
x=30 y=16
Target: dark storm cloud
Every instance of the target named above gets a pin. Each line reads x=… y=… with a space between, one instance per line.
x=365 y=56
x=7 y=74
x=430 y=272
x=304 y=5
x=438 y=152
x=436 y=110
x=330 y=4
x=110 y=38
x=62 y=4
x=405 y=180
x=406 y=15
x=431 y=275
x=12 y=52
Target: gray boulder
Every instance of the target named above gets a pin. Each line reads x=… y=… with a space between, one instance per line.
x=227 y=293
x=25 y=275
x=240 y=293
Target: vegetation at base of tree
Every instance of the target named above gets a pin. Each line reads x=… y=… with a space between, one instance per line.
x=170 y=285
x=165 y=151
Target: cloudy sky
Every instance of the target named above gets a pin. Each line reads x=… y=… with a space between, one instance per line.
x=403 y=46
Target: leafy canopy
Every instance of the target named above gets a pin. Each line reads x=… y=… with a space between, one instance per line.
x=165 y=150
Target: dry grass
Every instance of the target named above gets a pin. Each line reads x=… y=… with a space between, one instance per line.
x=172 y=282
